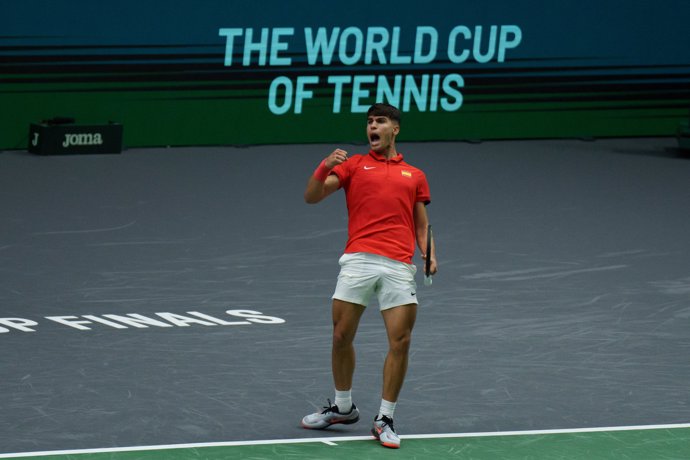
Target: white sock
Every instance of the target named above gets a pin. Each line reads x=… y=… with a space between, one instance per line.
x=343 y=399
x=387 y=409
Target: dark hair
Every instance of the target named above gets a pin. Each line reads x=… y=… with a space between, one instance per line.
x=385 y=110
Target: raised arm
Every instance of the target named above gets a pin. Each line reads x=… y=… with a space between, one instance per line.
x=322 y=183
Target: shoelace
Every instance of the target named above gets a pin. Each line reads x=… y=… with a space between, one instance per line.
x=329 y=408
x=387 y=421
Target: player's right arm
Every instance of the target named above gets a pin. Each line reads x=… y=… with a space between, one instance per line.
x=322 y=183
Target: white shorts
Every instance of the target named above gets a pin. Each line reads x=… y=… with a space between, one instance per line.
x=363 y=274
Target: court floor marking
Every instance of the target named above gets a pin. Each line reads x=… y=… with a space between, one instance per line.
x=332 y=441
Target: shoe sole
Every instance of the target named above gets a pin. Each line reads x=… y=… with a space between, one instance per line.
x=376 y=436
x=319 y=427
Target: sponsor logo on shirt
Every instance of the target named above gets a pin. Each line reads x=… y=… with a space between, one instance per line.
x=406 y=173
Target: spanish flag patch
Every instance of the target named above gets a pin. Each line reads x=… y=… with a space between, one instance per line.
x=406 y=173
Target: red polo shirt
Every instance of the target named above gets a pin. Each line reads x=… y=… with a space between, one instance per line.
x=381 y=195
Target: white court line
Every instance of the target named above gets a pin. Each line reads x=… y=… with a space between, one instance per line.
x=332 y=441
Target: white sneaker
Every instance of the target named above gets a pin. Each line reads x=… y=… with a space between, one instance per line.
x=383 y=431
x=330 y=416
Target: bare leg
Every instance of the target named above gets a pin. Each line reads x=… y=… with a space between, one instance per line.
x=346 y=317
x=399 y=323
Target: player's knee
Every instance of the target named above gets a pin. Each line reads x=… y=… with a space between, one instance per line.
x=341 y=339
x=400 y=344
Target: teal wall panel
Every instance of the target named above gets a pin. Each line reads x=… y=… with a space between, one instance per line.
x=227 y=72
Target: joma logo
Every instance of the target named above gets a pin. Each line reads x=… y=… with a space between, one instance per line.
x=82 y=139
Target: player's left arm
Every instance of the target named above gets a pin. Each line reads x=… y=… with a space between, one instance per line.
x=421 y=223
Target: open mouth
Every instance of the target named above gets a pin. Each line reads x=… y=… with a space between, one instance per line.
x=374 y=138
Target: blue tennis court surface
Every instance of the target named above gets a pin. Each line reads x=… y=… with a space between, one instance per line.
x=167 y=297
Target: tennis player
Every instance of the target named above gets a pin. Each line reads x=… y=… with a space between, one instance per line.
x=386 y=201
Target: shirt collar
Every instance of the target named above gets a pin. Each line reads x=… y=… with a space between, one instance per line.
x=378 y=157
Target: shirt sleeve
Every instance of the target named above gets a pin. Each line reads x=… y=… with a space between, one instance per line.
x=423 y=192
x=344 y=172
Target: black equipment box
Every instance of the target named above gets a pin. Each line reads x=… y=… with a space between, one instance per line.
x=61 y=139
